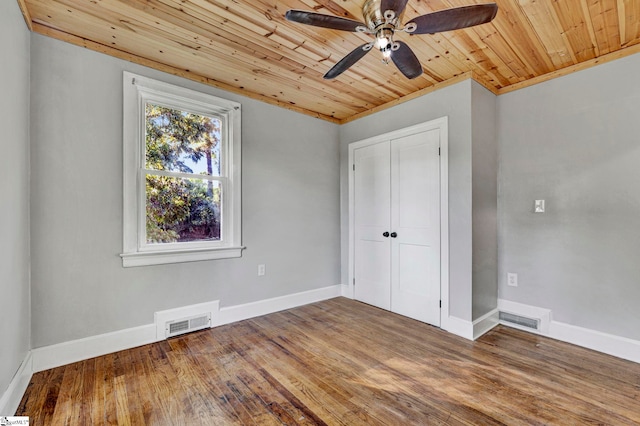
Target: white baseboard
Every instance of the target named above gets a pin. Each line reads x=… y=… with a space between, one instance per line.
x=471 y=330
x=347 y=291
x=78 y=350
x=485 y=323
x=263 y=307
x=617 y=346
x=13 y=395
x=53 y=356
x=459 y=327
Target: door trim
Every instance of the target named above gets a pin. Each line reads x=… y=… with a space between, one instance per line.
x=441 y=124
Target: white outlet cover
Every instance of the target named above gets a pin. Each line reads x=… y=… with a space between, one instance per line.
x=512 y=279
x=539 y=206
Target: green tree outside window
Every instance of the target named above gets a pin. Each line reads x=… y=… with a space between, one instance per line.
x=181 y=208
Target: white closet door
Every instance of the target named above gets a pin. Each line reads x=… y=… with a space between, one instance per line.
x=372 y=219
x=415 y=220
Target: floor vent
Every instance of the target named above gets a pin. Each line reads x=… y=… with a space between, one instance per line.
x=532 y=323
x=187 y=325
x=185 y=319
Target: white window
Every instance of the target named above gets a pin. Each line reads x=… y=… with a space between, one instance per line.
x=181 y=174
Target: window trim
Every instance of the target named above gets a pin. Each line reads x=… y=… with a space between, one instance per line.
x=137 y=91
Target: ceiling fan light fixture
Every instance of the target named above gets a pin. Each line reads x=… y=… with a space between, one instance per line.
x=384 y=43
x=384 y=38
x=386 y=55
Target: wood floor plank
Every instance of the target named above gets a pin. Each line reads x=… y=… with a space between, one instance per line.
x=88 y=391
x=42 y=402
x=109 y=395
x=239 y=400
x=98 y=406
x=122 y=402
x=366 y=359
x=543 y=376
x=298 y=386
x=352 y=384
x=340 y=362
x=268 y=392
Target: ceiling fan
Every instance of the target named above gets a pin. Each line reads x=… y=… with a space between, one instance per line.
x=383 y=19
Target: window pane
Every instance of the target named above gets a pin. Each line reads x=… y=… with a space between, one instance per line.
x=180 y=141
x=182 y=210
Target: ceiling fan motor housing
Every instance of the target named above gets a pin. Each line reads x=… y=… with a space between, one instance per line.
x=374 y=17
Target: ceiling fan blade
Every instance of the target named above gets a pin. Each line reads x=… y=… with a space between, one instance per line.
x=454 y=19
x=406 y=61
x=325 y=21
x=397 y=6
x=346 y=62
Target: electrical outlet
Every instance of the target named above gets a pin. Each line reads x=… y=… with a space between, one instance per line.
x=538 y=206
x=512 y=279
x=261 y=270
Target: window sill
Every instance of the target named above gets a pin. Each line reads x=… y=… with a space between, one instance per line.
x=178 y=256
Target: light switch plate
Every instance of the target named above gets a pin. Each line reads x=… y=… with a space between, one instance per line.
x=539 y=206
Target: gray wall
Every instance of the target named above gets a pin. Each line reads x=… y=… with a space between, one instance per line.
x=454 y=102
x=79 y=288
x=575 y=142
x=14 y=187
x=484 y=200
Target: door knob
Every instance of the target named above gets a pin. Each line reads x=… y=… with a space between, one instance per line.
x=385 y=234
x=393 y=235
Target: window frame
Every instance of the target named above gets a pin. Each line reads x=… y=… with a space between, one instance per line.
x=137 y=92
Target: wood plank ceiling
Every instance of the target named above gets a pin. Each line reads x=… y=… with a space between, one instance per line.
x=247 y=47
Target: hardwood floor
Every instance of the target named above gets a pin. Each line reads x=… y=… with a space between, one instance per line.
x=340 y=362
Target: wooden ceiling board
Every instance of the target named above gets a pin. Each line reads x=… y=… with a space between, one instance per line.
x=483 y=59
x=556 y=46
x=629 y=11
x=604 y=16
x=250 y=79
x=143 y=39
x=25 y=13
x=248 y=47
x=576 y=25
